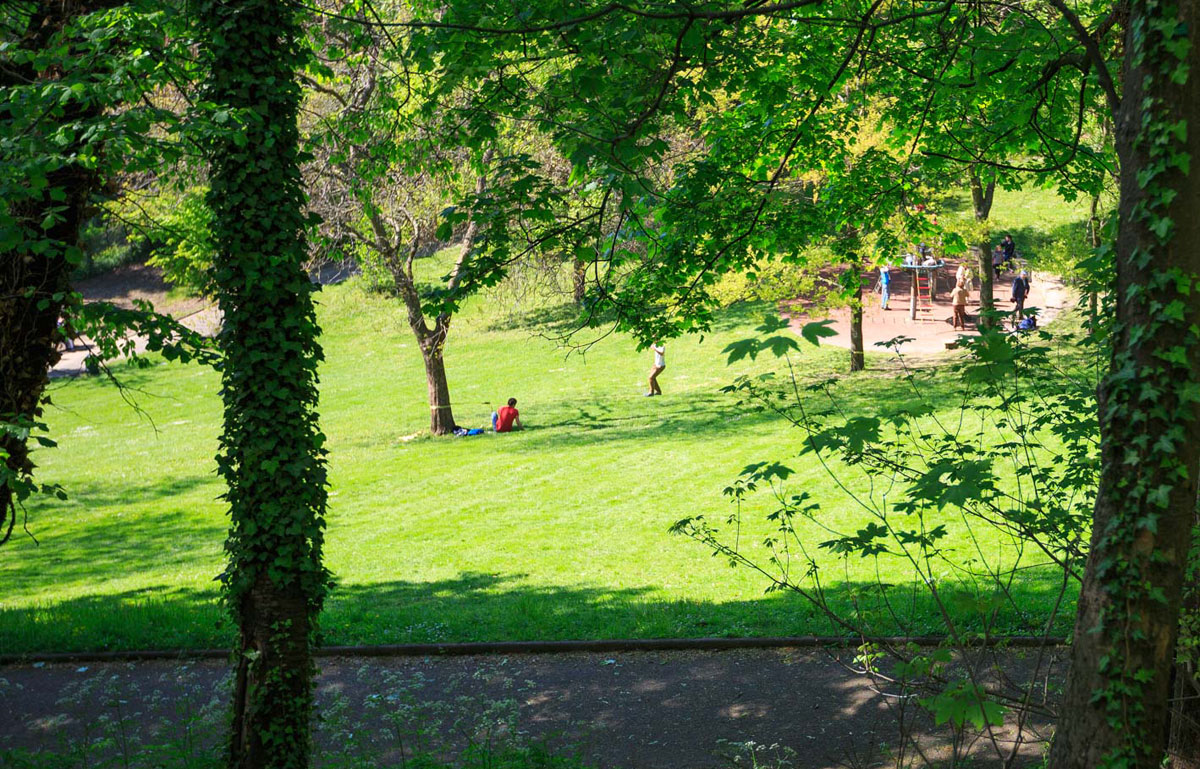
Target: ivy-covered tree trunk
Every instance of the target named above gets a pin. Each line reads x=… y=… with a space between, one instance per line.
x=981 y=202
x=40 y=226
x=271 y=452
x=1114 y=711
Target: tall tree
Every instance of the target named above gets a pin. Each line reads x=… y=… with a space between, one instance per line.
x=381 y=180
x=45 y=189
x=1115 y=707
x=272 y=450
x=74 y=113
x=982 y=194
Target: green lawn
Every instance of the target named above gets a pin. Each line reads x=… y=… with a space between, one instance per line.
x=559 y=531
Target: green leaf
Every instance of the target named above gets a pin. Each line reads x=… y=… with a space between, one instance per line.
x=817 y=330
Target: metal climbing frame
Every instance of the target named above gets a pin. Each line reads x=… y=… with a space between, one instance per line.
x=925 y=280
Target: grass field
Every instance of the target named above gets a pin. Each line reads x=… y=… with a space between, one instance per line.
x=559 y=531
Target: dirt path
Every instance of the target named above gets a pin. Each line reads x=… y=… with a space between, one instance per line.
x=125 y=285
x=675 y=710
x=133 y=282
x=932 y=332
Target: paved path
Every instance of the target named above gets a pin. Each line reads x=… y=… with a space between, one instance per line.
x=673 y=710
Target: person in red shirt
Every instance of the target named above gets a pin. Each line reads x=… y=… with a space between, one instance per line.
x=507 y=418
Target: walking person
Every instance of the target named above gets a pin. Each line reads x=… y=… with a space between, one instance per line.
x=885 y=282
x=66 y=333
x=660 y=363
x=1020 y=291
x=958 y=298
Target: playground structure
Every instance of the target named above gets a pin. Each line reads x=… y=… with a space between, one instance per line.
x=923 y=287
x=927 y=323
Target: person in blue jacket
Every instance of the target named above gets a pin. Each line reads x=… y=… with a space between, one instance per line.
x=885 y=282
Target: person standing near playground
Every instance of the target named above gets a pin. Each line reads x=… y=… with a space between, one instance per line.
x=1020 y=291
x=660 y=363
x=958 y=298
x=963 y=276
x=885 y=282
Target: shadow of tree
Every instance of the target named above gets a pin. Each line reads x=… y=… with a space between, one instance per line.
x=475 y=606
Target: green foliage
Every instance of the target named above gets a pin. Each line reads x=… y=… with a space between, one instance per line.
x=106 y=247
x=22 y=484
x=75 y=80
x=707 y=142
x=772 y=281
x=1018 y=464
x=175 y=227
x=964 y=702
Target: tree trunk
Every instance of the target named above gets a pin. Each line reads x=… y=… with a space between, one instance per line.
x=34 y=284
x=857 y=356
x=432 y=343
x=272 y=697
x=271 y=454
x=578 y=280
x=987 y=301
x=981 y=194
x=441 y=416
x=1094 y=241
x=981 y=202
x=1114 y=711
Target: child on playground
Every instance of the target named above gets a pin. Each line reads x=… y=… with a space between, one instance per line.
x=958 y=298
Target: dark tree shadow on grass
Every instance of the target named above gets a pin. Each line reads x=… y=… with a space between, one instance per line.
x=489 y=607
x=116 y=543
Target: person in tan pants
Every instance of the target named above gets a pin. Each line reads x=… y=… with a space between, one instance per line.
x=958 y=298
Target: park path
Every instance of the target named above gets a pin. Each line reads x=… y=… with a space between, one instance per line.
x=131 y=282
x=661 y=709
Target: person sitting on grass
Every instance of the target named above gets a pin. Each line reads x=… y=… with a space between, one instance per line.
x=507 y=418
